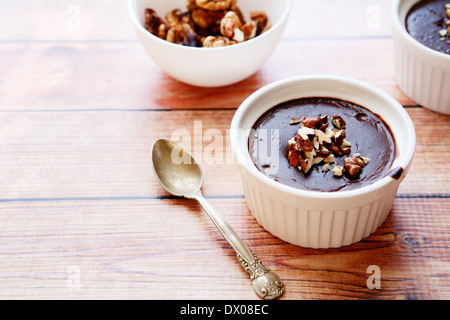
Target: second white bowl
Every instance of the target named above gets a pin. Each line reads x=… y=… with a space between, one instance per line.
x=211 y=67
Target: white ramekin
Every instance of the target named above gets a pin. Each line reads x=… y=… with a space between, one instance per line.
x=423 y=74
x=320 y=219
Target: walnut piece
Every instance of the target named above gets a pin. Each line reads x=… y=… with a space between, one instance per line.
x=339 y=137
x=294 y=157
x=207 y=23
x=333 y=148
x=183 y=34
x=315 y=143
x=230 y=27
x=217 y=41
x=305 y=163
x=209 y=20
x=249 y=30
x=215 y=5
x=303 y=144
x=154 y=24
x=326 y=167
x=338 y=171
x=262 y=22
x=338 y=122
x=320 y=123
x=295 y=121
x=447 y=11
x=176 y=17
x=353 y=165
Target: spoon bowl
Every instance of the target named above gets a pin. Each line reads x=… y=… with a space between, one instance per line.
x=181 y=176
x=175 y=169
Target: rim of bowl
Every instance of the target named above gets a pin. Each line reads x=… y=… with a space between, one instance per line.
x=401 y=28
x=141 y=28
x=403 y=161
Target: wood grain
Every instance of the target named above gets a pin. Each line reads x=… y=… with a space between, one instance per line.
x=62 y=75
x=110 y=152
x=80 y=106
x=123 y=250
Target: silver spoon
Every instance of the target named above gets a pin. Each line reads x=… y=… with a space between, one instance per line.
x=181 y=176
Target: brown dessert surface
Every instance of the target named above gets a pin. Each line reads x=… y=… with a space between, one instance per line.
x=369 y=136
x=427 y=22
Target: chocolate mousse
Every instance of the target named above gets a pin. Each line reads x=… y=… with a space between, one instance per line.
x=322 y=144
x=428 y=21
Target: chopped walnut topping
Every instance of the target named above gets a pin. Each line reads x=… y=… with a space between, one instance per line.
x=336 y=150
x=207 y=23
x=323 y=138
x=295 y=121
x=345 y=144
x=445 y=33
x=315 y=143
x=338 y=171
x=447 y=22
x=303 y=144
x=329 y=159
x=326 y=167
x=294 y=157
x=305 y=164
x=314 y=122
x=366 y=160
x=338 y=122
x=216 y=41
x=353 y=165
x=305 y=132
x=323 y=154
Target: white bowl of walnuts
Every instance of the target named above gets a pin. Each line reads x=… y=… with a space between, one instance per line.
x=209 y=43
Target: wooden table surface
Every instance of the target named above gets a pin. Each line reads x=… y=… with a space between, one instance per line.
x=82 y=215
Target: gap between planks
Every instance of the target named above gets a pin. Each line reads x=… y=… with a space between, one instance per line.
x=170 y=197
x=143 y=110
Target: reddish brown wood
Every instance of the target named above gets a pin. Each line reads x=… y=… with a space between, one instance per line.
x=80 y=107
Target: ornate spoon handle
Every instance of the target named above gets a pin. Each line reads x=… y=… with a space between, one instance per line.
x=267 y=284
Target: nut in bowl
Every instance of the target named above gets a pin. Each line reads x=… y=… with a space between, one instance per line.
x=422 y=52
x=316 y=206
x=214 y=48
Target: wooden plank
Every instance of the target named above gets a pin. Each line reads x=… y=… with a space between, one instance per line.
x=107 y=154
x=81 y=104
x=77 y=76
x=427 y=175
x=168 y=249
x=92 y=154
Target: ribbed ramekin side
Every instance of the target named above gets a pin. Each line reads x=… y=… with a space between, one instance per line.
x=422 y=82
x=299 y=225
